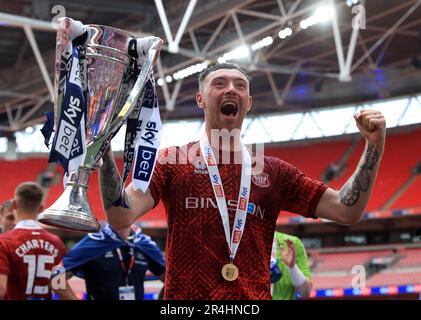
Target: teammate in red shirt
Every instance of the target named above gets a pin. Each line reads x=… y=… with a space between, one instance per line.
x=28 y=253
x=221 y=222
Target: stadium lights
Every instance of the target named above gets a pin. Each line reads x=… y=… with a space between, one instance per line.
x=350 y=3
x=267 y=41
x=168 y=79
x=241 y=52
x=29 y=130
x=323 y=14
x=285 y=33
x=238 y=53
x=183 y=73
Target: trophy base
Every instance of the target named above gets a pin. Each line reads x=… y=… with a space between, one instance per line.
x=69 y=220
x=72 y=211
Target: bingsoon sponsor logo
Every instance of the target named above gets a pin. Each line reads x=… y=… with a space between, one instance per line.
x=210 y=203
x=144 y=163
x=68 y=129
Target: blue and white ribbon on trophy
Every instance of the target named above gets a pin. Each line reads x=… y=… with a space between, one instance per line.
x=69 y=143
x=143 y=134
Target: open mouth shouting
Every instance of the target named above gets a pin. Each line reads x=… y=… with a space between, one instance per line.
x=229 y=109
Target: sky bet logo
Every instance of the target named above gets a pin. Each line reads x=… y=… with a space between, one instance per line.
x=67 y=131
x=215 y=179
x=150 y=133
x=148 y=97
x=244 y=192
x=144 y=163
x=239 y=224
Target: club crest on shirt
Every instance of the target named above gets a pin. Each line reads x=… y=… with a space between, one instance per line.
x=261 y=180
x=200 y=168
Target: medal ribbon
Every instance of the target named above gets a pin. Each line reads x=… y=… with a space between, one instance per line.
x=233 y=240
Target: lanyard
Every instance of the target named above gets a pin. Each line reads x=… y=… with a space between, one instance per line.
x=123 y=265
x=233 y=240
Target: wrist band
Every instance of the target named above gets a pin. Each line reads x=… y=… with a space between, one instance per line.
x=297 y=277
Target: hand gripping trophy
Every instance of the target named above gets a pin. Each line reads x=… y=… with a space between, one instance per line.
x=104 y=78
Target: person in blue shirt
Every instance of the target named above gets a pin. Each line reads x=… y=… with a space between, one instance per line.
x=113 y=264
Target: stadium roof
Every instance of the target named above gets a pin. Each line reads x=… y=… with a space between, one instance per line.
x=321 y=60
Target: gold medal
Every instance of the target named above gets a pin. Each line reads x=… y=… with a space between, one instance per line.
x=230 y=272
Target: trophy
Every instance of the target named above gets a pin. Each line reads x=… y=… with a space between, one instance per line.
x=105 y=76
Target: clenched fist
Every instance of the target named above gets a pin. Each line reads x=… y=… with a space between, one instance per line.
x=372 y=126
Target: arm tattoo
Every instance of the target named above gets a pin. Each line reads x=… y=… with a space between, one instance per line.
x=361 y=181
x=110 y=183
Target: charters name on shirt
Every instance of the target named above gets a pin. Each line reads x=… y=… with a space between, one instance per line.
x=30 y=244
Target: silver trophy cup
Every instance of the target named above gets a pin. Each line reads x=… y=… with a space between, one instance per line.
x=111 y=97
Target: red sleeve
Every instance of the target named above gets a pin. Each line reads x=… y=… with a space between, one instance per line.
x=161 y=175
x=299 y=193
x=61 y=249
x=4 y=257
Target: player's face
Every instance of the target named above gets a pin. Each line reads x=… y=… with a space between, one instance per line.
x=8 y=221
x=225 y=98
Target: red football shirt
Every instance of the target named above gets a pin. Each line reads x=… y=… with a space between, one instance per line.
x=196 y=245
x=27 y=255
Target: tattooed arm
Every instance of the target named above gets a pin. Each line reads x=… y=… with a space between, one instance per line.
x=347 y=205
x=138 y=203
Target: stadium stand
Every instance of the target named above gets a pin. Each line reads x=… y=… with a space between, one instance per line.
x=345 y=261
x=402 y=148
x=402 y=153
x=332 y=268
